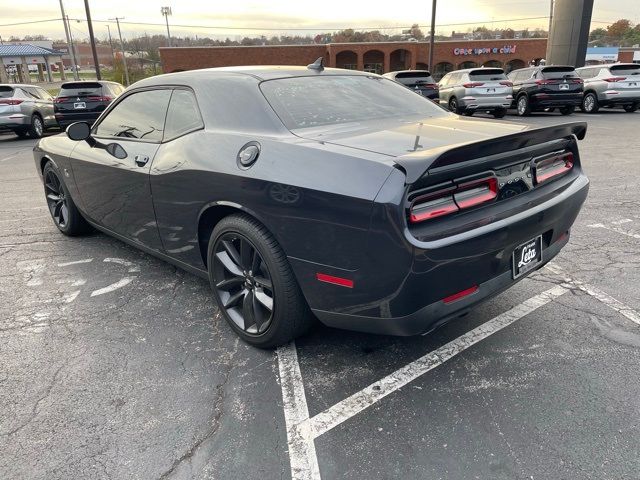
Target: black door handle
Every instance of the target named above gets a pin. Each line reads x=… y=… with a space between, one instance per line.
x=141 y=160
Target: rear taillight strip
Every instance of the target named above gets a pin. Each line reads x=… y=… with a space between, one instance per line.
x=453 y=199
x=548 y=168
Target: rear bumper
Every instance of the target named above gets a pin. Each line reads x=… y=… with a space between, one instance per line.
x=412 y=303
x=486 y=103
x=14 y=120
x=554 y=101
x=66 y=119
x=619 y=97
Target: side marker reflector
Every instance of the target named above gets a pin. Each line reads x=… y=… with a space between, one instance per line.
x=343 y=282
x=459 y=295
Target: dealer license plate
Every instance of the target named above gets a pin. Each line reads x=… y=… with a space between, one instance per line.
x=527 y=256
x=78 y=105
x=564 y=86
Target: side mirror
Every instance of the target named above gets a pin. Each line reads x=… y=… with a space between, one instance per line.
x=79 y=131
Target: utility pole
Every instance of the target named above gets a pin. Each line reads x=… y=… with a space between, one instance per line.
x=67 y=32
x=124 y=59
x=166 y=11
x=92 y=38
x=110 y=42
x=76 y=75
x=432 y=35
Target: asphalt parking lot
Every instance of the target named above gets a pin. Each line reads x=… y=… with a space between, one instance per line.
x=116 y=365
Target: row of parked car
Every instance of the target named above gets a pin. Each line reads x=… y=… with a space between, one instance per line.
x=29 y=110
x=541 y=88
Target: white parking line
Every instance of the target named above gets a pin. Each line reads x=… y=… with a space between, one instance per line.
x=302 y=450
x=75 y=262
x=616 y=229
x=121 y=261
x=301 y=430
x=114 y=286
x=598 y=294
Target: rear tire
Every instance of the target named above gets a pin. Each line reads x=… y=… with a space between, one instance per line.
x=631 y=108
x=568 y=110
x=523 y=107
x=499 y=113
x=590 y=103
x=21 y=133
x=63 y=210
x=249 y=272
x=37 y=126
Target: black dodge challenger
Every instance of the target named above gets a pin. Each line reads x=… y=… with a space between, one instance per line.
x=311 y=192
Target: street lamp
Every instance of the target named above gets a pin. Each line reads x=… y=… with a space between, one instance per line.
x=166 y=11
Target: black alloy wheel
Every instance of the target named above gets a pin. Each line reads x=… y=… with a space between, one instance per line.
x=56 y=199
x=254 y=285
x=243 y=283
x=63 y=210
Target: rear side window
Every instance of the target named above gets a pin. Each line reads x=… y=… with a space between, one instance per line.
x=6 y=92
x=553 y=73
x=625 y=70
x=32 y=92
x=140 y=115
x=414 y=78
x=183 y=115
x=78 y=89
x=487 y=74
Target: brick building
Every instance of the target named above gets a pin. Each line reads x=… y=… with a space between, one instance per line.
x=373 y=57
x=84 y=55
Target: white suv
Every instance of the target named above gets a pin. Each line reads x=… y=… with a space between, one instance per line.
x=611 y=85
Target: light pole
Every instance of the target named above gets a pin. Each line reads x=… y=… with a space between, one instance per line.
x=166 y=11
x=124 y=59
x=92 y=39
x=67 y=31
x=432 y=35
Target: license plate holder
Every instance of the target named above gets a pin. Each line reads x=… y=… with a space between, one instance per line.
x=79 y=105
x=527 y=257
x=564 y=86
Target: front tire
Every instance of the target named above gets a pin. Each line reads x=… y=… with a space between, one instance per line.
x=523 y=107
x=453 y=105
x=37 y=126
x=64 y=213
x=499 y=113
x=568 y=110
x=253 y=283
x=590 y=103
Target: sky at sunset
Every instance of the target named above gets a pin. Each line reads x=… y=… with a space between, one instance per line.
x=305 y=15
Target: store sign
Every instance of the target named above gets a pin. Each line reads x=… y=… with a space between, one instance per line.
x=504 y=50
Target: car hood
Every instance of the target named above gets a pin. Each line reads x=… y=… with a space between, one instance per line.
x=398 y=137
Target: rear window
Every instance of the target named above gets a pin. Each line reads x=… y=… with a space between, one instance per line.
x=487 y=74
x=414 y=78
x=80 y=88
x=6 y=92
x=625 y=69
x=303 y=102
x=559 y=72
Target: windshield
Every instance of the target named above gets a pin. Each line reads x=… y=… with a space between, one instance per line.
x=487 y=74
x=559 y=72
x=6 y=92
x=80 y=89
x=303 y=102
x=414 y=78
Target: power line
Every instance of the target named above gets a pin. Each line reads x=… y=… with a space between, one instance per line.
x=30 y=22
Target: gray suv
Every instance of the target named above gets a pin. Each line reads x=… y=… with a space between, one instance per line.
x=26 y=110
x=476 y=89
x=610 y=86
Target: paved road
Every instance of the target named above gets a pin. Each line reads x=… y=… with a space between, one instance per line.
x=117 y=365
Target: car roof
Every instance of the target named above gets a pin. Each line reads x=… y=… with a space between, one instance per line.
x=101 y=82
x=267 y=72
x=14 y=85
x=426 y=72
x=609 y=65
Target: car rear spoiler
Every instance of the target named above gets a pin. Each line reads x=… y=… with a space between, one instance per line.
x=416 y=164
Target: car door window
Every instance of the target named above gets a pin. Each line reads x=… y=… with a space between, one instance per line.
x=32 y=93
x=44 y=94
x=140 y=115
x=183 y=115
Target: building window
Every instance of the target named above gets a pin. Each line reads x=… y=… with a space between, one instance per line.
x=373 y=68
x=350 y=66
